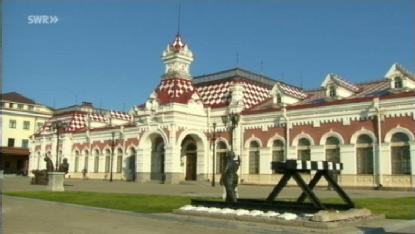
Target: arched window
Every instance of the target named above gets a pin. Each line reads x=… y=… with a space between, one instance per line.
x=303 y=149
x=332 y=91
x=119 y=160
x=220 y=156
x=96 y=161
x=76 y=167
x=398 y=82
x=333 y=149
x=400 y=154
x=107 y=160
x=86 y=153
x=364 y=154
x=278 y=101
x=254 y=158
x=278 y=151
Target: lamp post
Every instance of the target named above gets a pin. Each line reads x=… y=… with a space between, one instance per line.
x=113 y=141
x=214 y=153
x=231 y=121
x=58 y=126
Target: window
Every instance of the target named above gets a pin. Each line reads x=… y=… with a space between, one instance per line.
x=30 y=107
x=76 y=167
x=26 y=125
x=96 y=161
x=332 y=91
x=400 y=154
x=12 y=123
x=25 y=143
x=254 y=158
x=277 y=151
x=10 y=142
x=278 y=98
x=333 y=149
x=398 y=83
x=20 y=106
x=107 y=160
x=221 y=150
x=303 y=149
x=119 y=160
x=11 y=105
x=364 y=154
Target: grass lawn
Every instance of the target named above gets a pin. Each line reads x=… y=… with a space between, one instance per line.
x=397 y=208
x=130 y=202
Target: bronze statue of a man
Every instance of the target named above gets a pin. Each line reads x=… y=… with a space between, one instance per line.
x=229 y=177
x=49 y=164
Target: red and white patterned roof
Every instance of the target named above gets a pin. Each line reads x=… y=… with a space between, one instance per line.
x=219 y=93
x=121 y=115
x=292 y=91
x=346 y=84
x=175 y=90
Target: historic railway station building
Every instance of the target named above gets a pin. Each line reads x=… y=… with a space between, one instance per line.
x=369 y=127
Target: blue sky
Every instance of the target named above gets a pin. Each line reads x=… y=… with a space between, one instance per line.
x=108 y=52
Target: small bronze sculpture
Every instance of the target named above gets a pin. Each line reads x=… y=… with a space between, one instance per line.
x=64 y=167
x=229 y=177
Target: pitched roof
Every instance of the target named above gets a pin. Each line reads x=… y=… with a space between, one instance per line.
x=16 y=97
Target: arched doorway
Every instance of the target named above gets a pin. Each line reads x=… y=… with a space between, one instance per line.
x=157 y=158
x=189 y=151
x=131 y=174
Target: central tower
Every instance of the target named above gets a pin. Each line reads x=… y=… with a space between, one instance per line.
x=177 y=58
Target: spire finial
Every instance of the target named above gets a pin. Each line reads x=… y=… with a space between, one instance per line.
x=178 y=20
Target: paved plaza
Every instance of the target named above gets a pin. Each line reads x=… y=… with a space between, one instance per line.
x=24 y=216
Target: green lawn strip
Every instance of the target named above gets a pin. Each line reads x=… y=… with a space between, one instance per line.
x=129 y=202
x=396 y=208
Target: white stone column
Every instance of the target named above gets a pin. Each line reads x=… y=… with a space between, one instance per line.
x=265 y=159
x=385 y=166
x=143 y=168
x=291 y=152
x=172 y=165
x=412 y=158
x=348 y=158
x=317 y=153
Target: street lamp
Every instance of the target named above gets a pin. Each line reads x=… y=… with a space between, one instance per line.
x=231 y=121
x=58 y=126
x=214 y=153
x=112 y=151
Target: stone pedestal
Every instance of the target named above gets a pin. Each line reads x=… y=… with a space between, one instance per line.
x=55 y=183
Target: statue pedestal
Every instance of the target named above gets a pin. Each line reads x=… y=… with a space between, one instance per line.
x=55 y=183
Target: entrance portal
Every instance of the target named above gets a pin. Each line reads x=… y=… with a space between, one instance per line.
x=190 y=151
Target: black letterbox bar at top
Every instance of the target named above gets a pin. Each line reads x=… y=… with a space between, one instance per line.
x=305 y=165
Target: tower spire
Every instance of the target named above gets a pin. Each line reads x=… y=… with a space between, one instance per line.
x=179 y=19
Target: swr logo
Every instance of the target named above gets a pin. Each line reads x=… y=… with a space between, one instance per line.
x=42 y=19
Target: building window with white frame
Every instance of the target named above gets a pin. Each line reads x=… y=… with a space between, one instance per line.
x=303 y=149
x=119 y=160
x=107 y=160
x=76 y=166
x=400 y=154
x=364 y=155
x=254 y=157
x=25 y=143
x=96 y=161
x=398 y=84
x=333 y=149
x=332 y=91
x=26 y=125
x=12 y=123
x=277 y=151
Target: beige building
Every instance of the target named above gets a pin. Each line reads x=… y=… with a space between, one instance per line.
x=20 y=117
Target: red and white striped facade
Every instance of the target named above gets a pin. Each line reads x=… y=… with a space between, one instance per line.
x=169 y=137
